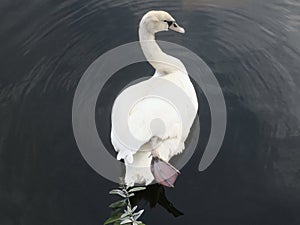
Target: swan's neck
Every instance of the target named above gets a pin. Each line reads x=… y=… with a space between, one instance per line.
x=162 y=62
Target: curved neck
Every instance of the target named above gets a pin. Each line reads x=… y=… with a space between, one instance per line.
x=163 y=63
x=149 y=46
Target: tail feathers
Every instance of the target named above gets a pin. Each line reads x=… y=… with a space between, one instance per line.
x=126 y=155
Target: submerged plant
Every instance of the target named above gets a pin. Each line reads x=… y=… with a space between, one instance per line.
x=122 y=210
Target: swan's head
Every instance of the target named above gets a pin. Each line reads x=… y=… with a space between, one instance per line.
x=156 y=21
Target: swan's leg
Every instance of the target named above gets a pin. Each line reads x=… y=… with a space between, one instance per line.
x=159 y=149
x=154 y=142
x=163 y=172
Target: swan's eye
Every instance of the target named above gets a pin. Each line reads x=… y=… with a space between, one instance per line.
x=169 y=22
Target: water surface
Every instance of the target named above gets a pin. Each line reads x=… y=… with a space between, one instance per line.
x=253 y=48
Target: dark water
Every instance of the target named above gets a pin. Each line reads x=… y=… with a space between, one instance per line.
x=253 y=48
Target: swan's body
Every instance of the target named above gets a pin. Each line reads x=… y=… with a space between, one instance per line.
x=149 y=108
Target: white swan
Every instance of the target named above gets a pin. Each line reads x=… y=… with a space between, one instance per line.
x=149 y=108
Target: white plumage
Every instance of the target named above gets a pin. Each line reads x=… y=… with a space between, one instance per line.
x=167 y=137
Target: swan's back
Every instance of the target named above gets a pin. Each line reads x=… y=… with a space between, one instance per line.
x=153 y=115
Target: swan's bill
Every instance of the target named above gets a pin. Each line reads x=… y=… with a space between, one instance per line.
x=175 y=27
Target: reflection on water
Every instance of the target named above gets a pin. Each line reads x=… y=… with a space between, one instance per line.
x=253 y=47
x=154 y=195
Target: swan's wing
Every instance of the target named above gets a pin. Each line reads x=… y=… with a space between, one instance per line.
x=138 y=115
x=149 y=117
x=121 y=137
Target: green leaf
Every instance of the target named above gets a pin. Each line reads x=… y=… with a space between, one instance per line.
x=117 y=189
x=118 y=204
x=137 y=189
x=126 y=221
x=134 y=208
x=138 y=214
x=117 y=192
x=115 y=212
x=125 y=214
x=112 y=219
